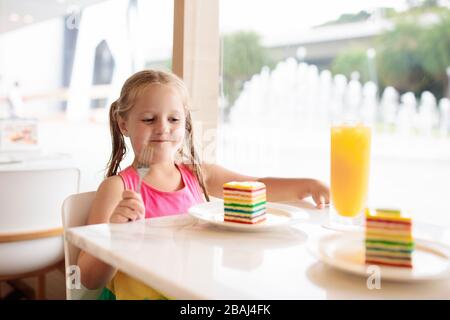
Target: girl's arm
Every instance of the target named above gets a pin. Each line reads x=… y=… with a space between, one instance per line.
x=278 y=189
x=94 y=272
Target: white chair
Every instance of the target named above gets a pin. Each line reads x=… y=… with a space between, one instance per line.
x=75 y=212
x=31 y=242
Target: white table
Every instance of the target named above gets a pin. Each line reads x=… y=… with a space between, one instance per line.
x=187 y=259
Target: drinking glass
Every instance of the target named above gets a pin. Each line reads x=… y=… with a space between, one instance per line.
x=350 y=164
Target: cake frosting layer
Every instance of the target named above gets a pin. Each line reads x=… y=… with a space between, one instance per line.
x=246 y=194
x=262 y=209
x=244 y=200
x=388 y=225
x=244 y=185
x=245 y=215
x=245 y=206
x=243 y=220
x=390 y=263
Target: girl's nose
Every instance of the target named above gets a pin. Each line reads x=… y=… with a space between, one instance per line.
x=162 y=127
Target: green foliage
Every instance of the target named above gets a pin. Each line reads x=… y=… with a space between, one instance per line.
x=415 y=55
x=399 y=61
x=243 y=56
x=353 y=59
x=349 y=17
x=430 y=3
x=411 y=57
x=434 y=47
x=357 y=17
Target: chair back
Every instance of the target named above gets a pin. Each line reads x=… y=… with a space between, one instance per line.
x=75 y=211
x=30 y=223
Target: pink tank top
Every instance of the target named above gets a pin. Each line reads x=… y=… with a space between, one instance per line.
x=160 y=203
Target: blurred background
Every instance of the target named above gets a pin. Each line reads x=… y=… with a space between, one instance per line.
x=287 y=70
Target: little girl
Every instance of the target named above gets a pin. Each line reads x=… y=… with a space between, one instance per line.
x=153 y=108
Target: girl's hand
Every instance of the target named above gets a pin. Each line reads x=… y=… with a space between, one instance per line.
x=130 y=208
x=320 y=193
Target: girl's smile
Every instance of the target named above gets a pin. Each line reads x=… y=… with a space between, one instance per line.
x=160 y=141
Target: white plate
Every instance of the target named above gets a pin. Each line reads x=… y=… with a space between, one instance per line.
x=277 y=215
x=431 y=260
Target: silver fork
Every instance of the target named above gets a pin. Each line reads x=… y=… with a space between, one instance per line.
x=143 y=164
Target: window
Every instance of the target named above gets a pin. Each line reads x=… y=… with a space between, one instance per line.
x=65 y=64
x=289 y=69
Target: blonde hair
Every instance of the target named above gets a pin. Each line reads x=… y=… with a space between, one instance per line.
x=130 y=90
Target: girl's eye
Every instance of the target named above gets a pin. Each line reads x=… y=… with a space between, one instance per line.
x=175 y=119
x=148 y=120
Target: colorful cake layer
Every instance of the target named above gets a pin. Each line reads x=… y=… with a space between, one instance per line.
x=244 y=202
x=388 y=238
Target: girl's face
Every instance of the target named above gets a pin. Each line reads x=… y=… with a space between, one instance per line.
x=157 y=118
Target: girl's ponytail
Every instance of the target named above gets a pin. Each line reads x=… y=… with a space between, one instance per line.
x=193 y=155
x=118 y=142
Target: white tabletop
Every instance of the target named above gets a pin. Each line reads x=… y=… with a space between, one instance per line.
x=187 y=259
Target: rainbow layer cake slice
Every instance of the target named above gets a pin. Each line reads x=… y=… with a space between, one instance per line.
x=388 y=238
x=244 y=202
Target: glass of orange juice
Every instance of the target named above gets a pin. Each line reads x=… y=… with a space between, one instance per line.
x=350 y=163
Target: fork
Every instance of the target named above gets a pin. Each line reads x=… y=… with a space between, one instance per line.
x=143 y=164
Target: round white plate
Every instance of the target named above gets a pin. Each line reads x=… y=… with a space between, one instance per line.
x=431 y=260
x=277 y=215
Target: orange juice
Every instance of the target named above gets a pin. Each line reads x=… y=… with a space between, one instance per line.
x=350 y=160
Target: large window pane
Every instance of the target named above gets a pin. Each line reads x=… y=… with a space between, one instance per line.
x=290 y=68
x=63 y=63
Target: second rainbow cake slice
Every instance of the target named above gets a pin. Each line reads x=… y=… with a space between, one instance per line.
x=389 y=239
x=244 y=202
